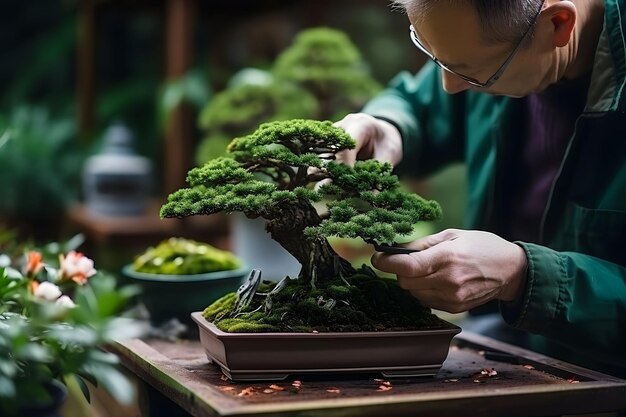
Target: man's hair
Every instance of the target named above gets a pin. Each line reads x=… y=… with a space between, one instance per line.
x=503 y=21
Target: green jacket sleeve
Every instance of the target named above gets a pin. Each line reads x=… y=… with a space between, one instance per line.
x=575 y=299
x=430 y=121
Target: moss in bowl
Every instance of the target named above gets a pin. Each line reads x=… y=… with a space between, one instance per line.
x=179 y=276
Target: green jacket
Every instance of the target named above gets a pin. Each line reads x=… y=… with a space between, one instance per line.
x=576 y=287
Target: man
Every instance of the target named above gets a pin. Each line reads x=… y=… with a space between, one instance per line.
x=531 y=95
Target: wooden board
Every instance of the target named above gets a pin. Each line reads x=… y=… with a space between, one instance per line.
x=524 y=384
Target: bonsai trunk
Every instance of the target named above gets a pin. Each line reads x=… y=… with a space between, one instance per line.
x=317 y=257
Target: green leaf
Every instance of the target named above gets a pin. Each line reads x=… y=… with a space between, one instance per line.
x=74 y=242
x=114 y=382
x=83 y=376
x=8 y=367
x=82 y=385
x=104 y=357
x=35 y=352
x=13 y=273
x=75 y=335
x=7 y=387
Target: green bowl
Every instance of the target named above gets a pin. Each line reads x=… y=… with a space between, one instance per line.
x=176 y=296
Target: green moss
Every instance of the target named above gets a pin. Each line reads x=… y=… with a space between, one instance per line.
x=178 y=256
x=369 y=303
x=244 y=326
x=220 y=307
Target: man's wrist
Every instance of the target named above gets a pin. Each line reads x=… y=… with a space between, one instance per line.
x=393 y=134
x=514 y=288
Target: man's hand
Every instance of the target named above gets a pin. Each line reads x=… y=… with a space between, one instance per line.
x=459 y=269
x=375 y=139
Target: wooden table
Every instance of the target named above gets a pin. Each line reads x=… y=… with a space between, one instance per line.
x=526 y=384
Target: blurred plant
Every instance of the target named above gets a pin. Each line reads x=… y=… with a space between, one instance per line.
x=178 y=256
x=38 y=55
x=9 y=240
x=56 y=313
x=238 y=111
x=192 y=88
x=39 y=163
x=320 y=76
x=326 y=63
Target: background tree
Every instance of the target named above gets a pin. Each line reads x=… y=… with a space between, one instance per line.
x=273 y=174
x=325 y=62
x=239 y=110
x=321 y=75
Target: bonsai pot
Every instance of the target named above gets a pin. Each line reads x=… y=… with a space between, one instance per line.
x=276 y=356
x=176 y=296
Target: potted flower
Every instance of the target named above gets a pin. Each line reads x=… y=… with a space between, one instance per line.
x=275 y=174
x=57 y=312
x=180 y=275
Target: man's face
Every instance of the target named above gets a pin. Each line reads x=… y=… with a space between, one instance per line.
x=452 y=33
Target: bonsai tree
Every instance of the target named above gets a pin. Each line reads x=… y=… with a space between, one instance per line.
x=273 y=174
x=326 y=63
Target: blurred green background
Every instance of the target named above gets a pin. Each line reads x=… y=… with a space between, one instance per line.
x=71 y=68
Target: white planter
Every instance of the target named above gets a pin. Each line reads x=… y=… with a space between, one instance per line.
x=254 y=245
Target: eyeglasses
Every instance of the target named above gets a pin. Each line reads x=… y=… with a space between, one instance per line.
x=470 y=80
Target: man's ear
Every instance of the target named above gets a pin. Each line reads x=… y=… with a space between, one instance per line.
x=562 y=15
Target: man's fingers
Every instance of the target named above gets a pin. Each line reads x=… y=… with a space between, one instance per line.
x=437 y=299
x=414 y=265
x=418 y=283
x=435 y=239
x=347 y=156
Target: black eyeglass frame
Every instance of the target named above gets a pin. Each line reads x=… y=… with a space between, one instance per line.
x=470 y=80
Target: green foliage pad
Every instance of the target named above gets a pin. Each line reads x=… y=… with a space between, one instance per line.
x=273 y=172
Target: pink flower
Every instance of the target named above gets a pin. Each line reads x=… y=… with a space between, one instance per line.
x=75 y=267
x=47 y=291
x=65 y=301
x=34 y=263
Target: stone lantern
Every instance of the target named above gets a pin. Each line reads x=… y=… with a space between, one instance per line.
x=117 y=181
